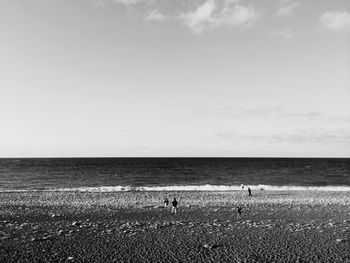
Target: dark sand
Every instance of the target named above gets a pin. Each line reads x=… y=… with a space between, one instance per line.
x=134 y=227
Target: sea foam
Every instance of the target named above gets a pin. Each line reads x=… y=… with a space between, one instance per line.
x=207 y=187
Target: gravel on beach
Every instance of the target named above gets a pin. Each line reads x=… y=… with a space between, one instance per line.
x=275 y=226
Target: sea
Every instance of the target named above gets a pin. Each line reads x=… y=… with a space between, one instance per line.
x=173 y=174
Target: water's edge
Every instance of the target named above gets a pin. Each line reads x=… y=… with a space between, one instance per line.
x=195 y=188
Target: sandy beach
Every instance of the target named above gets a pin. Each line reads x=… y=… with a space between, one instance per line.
x=276 y=226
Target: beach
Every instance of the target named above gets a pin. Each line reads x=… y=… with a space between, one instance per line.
x=275 y=226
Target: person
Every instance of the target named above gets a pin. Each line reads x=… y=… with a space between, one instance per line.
x=166 y=202
x=239 y=212
x=242 y=185
x=249 y=192
x=174 y=208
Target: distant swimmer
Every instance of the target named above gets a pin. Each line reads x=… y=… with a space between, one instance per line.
x=174 y=208
x=166 y=202
x=249 y=192
x=239 y=212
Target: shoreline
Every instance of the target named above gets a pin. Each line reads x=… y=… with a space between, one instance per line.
x=279 y=226
x=189 y=188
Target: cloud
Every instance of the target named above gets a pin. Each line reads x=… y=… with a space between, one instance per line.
x=284 y=33
x=155 y=15
x=273 y=112
x=287 y=9
x=311 y=136
x=201 y=18
x=319 y=136
x=209 y=15
x=338 y=21
x=134 y=2
x=246 y=112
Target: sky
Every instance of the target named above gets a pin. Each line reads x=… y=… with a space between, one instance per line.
x=165 y=78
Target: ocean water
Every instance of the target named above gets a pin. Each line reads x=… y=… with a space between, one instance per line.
x=152 y=174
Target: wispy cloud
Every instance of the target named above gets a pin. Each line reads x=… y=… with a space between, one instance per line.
x=319 y=136
x=155 y=15
x=245 y=112
x=134 y=2
x=288 y=9
x=309 y=136
x=338 y=21
x=209 y=15
x=283 y=33
x=273 y=112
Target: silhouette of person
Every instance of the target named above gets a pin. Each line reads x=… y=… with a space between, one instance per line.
x=249 y=192
x=166 y=202
x=239 y=212
x=174 y=208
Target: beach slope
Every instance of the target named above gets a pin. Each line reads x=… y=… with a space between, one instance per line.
x=280 y=226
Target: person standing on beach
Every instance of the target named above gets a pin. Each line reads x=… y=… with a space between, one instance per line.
x=166 y=202
x=249 y=192
x=239 y=212
x=174 y=208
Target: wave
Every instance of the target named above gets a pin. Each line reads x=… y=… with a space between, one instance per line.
x=207 y=187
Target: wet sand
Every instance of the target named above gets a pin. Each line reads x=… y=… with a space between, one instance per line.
x=135 y=227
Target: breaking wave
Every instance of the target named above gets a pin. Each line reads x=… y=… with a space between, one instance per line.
x=207 y=187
